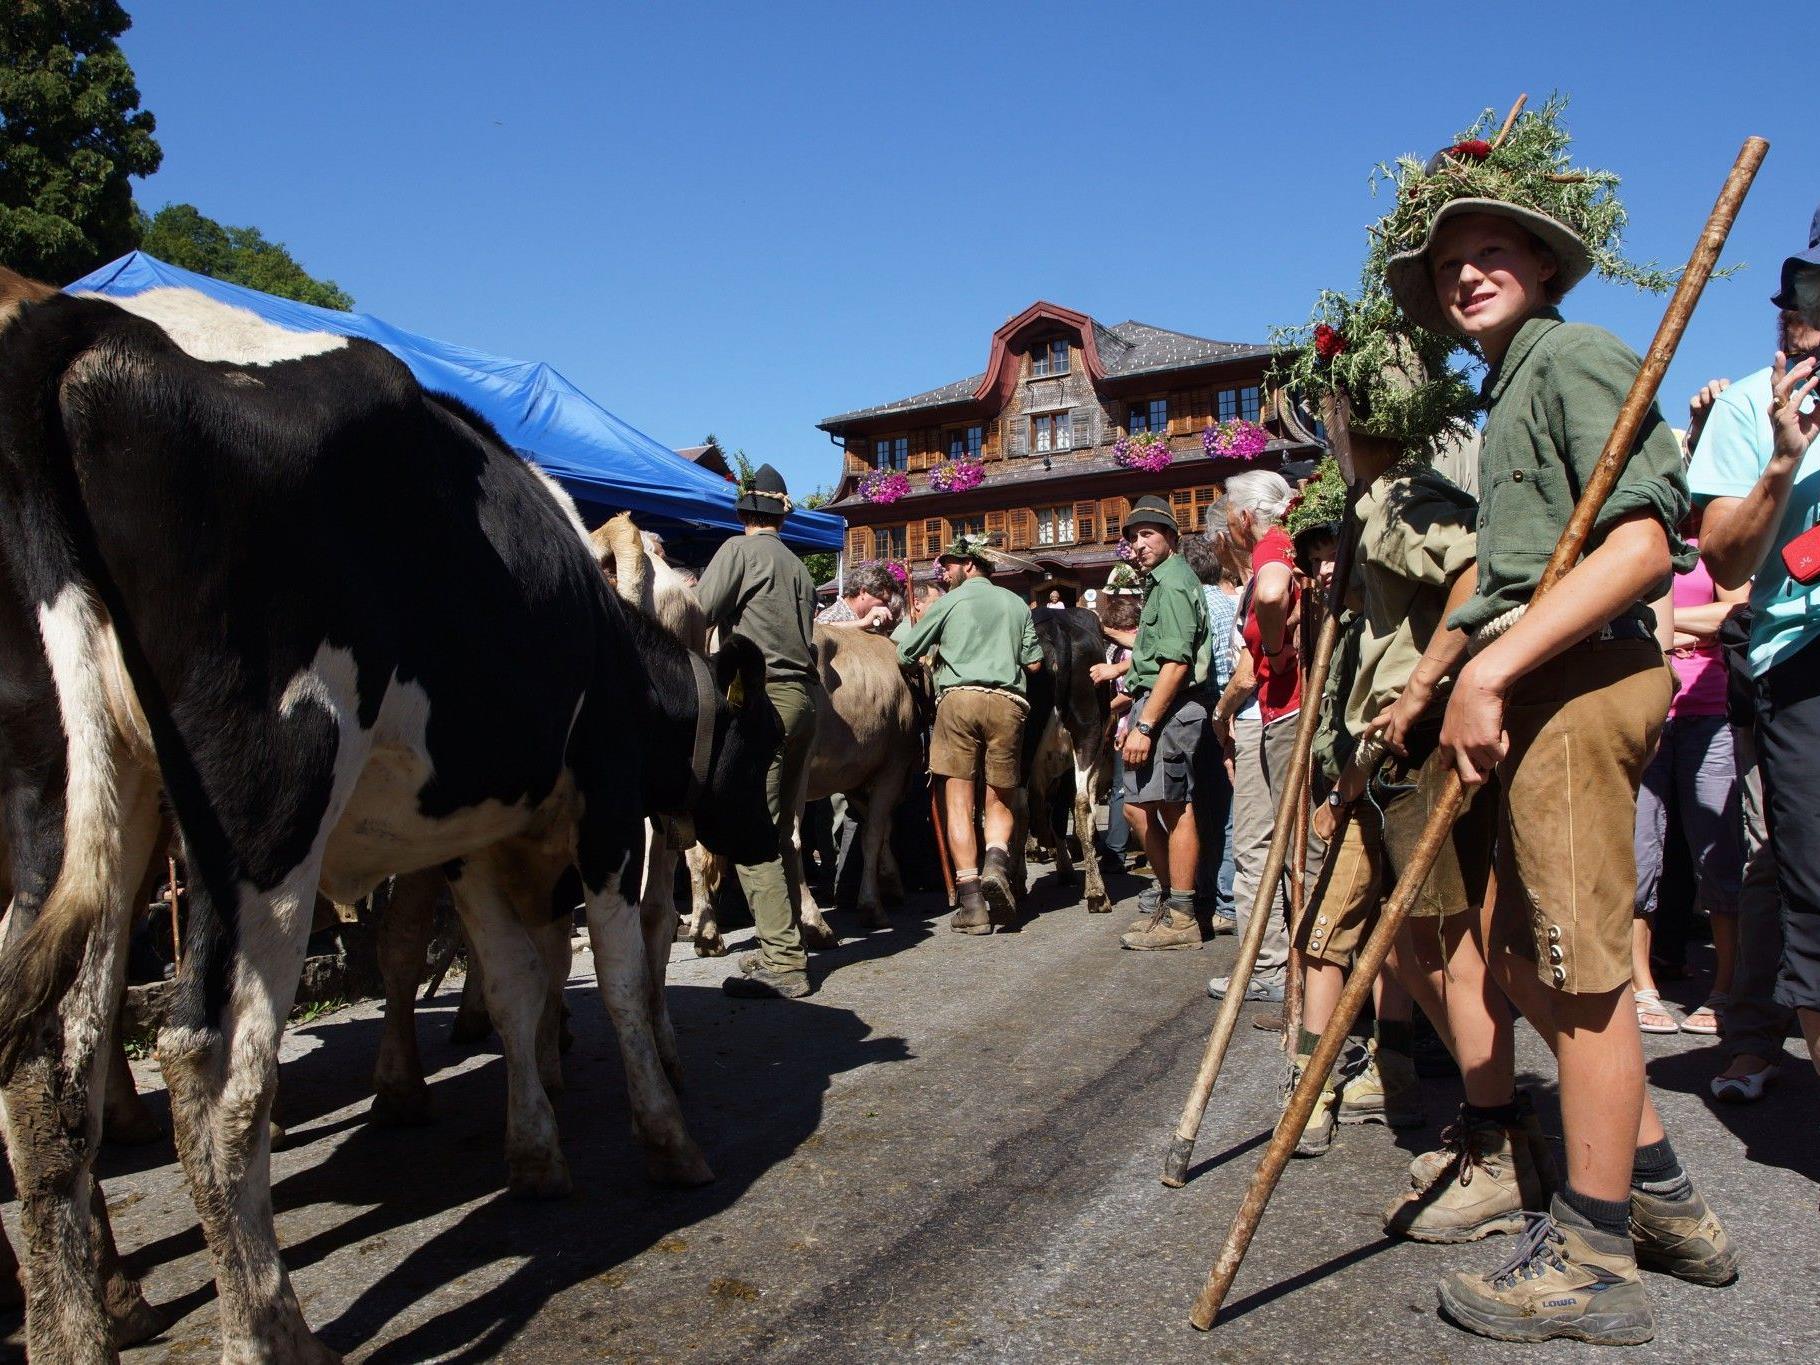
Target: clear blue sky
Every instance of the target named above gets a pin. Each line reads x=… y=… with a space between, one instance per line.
x=745 y=218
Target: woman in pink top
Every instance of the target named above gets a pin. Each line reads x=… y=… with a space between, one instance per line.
x=1693 y=777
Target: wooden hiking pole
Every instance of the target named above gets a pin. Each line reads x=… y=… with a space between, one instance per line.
x=1181 y=1146
x=1612 y=460
x=171 y=899
x=1299 y=889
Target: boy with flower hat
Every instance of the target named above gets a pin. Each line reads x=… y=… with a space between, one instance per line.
x=1562 y=700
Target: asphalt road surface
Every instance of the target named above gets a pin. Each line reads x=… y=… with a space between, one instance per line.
x=949 y=1152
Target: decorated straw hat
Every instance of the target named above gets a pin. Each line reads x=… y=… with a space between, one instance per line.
x=1319 y=505
x=1124 y=581
x=765 y=493
x=1522 y=173
x=962 y=548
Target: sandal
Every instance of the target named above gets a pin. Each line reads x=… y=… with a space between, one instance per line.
x=1652 y=1016
x=1747 y=1089
x=1706 y=1018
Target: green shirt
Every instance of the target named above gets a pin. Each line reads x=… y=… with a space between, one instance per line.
x=757 y=588
x=982 y=634
x=1552 y=402
x=1415 y=538
x=1173 y=628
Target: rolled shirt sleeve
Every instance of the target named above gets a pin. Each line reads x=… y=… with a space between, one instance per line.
x=1734 y=446
x=1029 y=651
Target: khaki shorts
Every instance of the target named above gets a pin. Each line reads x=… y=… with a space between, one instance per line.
x=1380 y=837
x=969 y=725
x=1168 y=778
x=1582 y=729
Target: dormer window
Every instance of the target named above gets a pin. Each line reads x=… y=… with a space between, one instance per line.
x=1150 y=417
x=1049 y=358
x=891 y=453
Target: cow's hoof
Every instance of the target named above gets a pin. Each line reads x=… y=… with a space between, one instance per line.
x=874 y=917
x=539 y=1175
x=686 y=1169
x=819 y=936
x=470 y=1027
x=1099 y=905
x=714 y=946
x=404 y=1108
x=131 y=1320
x=130 y=1125
x=278 y=1134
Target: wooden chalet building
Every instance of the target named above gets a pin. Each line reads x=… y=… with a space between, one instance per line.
x=1058 y=391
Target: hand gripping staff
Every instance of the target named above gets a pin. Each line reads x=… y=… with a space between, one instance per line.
x=1181 y=1147
x=1611 y=464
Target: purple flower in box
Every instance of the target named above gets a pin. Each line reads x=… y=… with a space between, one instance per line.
x=1234 y=440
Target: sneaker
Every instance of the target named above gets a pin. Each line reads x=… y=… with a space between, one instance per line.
x=972 y=916
x=1149 y=901
x=1485 y=1183
x=1170 y=929
x=1266 y=990
x=1317 y=1137
x=1681 y=1237
x=1370 y=1095
x=765 y=984
x=1564 y=1279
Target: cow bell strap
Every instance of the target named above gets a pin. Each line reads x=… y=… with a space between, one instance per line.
x=703 y=750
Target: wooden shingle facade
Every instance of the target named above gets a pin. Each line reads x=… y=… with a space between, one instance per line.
x=1059 y=390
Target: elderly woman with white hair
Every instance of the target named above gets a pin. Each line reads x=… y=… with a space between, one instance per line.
x=1255 y=717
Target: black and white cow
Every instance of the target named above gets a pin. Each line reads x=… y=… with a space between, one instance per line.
x=351 y=635
x=1073 y=744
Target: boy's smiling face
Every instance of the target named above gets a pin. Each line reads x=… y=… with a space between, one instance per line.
x=1488 y=276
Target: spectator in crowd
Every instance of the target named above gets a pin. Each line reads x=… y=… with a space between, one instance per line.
x=1756 y=472
x=1262 y=741
x=1213 y=786
x=1170 y=665
x=865 y=599
x=1118 y=612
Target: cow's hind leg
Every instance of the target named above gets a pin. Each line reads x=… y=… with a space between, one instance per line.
x=1098 y=902
x=219 y=1050
x=549 y=930
x=125 y=1119
x=657 y=913
x=471 y=1023
x=400 y=1096
x=706 y=873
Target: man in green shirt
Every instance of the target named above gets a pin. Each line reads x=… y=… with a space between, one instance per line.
x=1563 y=700
x=1170 y=663
x=985 y=644
x=756 y=587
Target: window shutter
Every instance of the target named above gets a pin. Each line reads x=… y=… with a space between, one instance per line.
x=1181 y=502
x=993 y=447
x=913 y=541
x=1085 y=520
x=1178 y=413
x=859 y=542
x=1112 y=518
x=932 y=538
x=996 y=529
x=1023 y=528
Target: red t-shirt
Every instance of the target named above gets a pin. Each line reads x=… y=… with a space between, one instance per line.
x=1279 y=688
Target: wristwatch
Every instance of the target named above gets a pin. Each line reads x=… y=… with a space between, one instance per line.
x=1145 y=728
x=1337 y=801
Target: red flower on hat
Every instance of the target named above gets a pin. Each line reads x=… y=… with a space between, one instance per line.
x=1475 y=150
x=1292 y=506
x=1328 y=341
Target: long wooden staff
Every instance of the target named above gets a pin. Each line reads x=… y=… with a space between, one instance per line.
x=1604 y=478
x=1299 y=890
x=1181 y=1146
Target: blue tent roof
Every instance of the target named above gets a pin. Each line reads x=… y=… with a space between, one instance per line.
x=604 y=463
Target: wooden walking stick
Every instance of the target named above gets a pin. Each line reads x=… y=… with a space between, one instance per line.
x=1612 y=460
x=1299 y=890
x=1181 y=1146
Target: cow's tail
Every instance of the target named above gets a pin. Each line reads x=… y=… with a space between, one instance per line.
x=74 y=626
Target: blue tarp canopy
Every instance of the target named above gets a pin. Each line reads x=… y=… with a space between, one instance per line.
x=605 y=464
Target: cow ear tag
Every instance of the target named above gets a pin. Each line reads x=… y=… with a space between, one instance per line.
x=736 y=691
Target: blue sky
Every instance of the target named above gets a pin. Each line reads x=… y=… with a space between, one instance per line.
x=745 y=218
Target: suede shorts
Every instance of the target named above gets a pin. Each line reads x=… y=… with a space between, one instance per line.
x=1363 y=867
x=975 y=728
x=1582 y=729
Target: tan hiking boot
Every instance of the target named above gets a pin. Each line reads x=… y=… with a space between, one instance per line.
x=1149 y=901
x=1431 y=1166
x=1370 y=1095
x=1681 y=1237
x=1565 y=1279
x=1317 y=1137
x=1483 y=1189
x=1168 y=929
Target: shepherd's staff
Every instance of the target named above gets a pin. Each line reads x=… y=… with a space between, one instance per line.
x=1299 y=890
x=1181 y=1147
x=1604 y=478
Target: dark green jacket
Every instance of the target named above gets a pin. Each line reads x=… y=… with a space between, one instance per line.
x=756 y=587
x=1552 y=403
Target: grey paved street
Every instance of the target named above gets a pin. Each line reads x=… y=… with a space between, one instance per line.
x=949 y=1152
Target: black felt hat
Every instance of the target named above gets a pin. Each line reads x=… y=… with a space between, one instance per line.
x=766 y=493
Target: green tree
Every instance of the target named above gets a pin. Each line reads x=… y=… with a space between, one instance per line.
x=185 y=236
x=820 y=563
x=71 y=135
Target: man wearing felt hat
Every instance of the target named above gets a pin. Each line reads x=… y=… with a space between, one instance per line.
x=1170 y=663
x=755 y=586
x=985 y=646
x=1560 y=698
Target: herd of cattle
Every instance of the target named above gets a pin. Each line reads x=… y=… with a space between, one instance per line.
x=343 y=634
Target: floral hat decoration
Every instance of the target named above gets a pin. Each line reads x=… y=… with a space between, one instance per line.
x=1398 y=380
x=1521 y=171
x=1321 y=502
